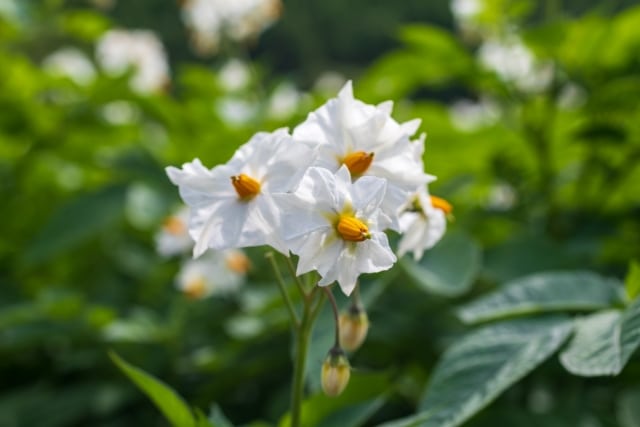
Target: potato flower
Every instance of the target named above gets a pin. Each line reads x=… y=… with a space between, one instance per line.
x=216 y=272
x=336 y=226
x=232 y=205
x=369 y=142
x=173 y=238
x=423 y=223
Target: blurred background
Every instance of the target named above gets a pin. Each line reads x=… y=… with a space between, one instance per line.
x=533 y=122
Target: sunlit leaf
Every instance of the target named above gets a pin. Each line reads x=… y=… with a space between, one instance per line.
x=172 y=406
x=632 y=281
x=544 y=292
x=603 y=342
x=480 y=366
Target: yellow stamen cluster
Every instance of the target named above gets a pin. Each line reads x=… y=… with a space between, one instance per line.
x=246 y=187
x=238 y=262
x=174 y=225
x=441 y=204
x=358 y=162
x=195 y=289
x=352 y=229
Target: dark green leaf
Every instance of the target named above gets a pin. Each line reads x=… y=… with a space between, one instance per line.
x=172 y=406
x=480 y=366
x=449 y=268
x=544 y=292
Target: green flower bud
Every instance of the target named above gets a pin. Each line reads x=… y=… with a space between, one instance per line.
x=335 y=372
x=354 y=325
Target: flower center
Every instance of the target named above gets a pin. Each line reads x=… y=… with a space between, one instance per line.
x=238 y=262
x=358 y=162
x=174 y=226
x=441 y=204
x=352 y=229
x=246 y=187
x=196 y=288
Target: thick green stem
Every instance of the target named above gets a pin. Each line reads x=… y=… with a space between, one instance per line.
x=302 y=336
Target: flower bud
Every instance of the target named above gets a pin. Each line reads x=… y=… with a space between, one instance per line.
x=335 y=372
x=354 y=325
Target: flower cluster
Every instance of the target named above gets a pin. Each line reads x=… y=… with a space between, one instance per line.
x=212 y=20
x=327 y=192
x=217 y=272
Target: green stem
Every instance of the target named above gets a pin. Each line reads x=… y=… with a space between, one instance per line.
x=283 y=291
x=336 y=315
x=292 y=271
x=301 y=350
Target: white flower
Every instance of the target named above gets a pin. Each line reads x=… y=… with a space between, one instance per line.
x=336 y=226
x=234 y=75
x=72 y=63
x=119 y=50
x=369 y=142
x=515 y=63
x=173 y=238
x=213 y=273
x=423 y=224
x=232 y=205
x=469 y=116
x=210 y=20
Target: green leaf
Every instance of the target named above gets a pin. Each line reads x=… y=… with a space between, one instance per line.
x=166 y=399
x=361 y=399
x=76 y=221
x=632 y=281
x=449 y=268
x=483 y=364
x=603 y=342
x=628 y=411
x=217 y=418
x=544 y=292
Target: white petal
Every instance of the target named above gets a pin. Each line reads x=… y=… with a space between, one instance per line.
x=411 y=127
x=218 y=227
x=368 y=193
x=386 y=107
x=374 y=254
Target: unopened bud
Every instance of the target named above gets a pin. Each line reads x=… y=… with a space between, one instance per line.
x=354 y=325
x=335 y=373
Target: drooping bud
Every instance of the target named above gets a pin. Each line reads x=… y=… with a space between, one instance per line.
x=246 y=187
x=352 y=229
x=354 y=325
x=358 y=162
x=441 y=204
x=335 y=372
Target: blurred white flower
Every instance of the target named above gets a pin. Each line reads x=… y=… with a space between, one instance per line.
x=215 y=272
x=284 y=101
x=502 y=196
x=468 y=115
x=236 y=112
x=571 y=96
x=239 y=20
x=369 y=142
x=120 y=112
x=141 y=50
x=465 y=10
x=234 y=75
x=232 y=205
x=423 y=224
x=515 y=64
x=173 y=238
x=72 y=63
x=329 y=82
x=336 y=227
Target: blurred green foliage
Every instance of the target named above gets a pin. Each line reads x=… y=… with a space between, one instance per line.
x=545 y=180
